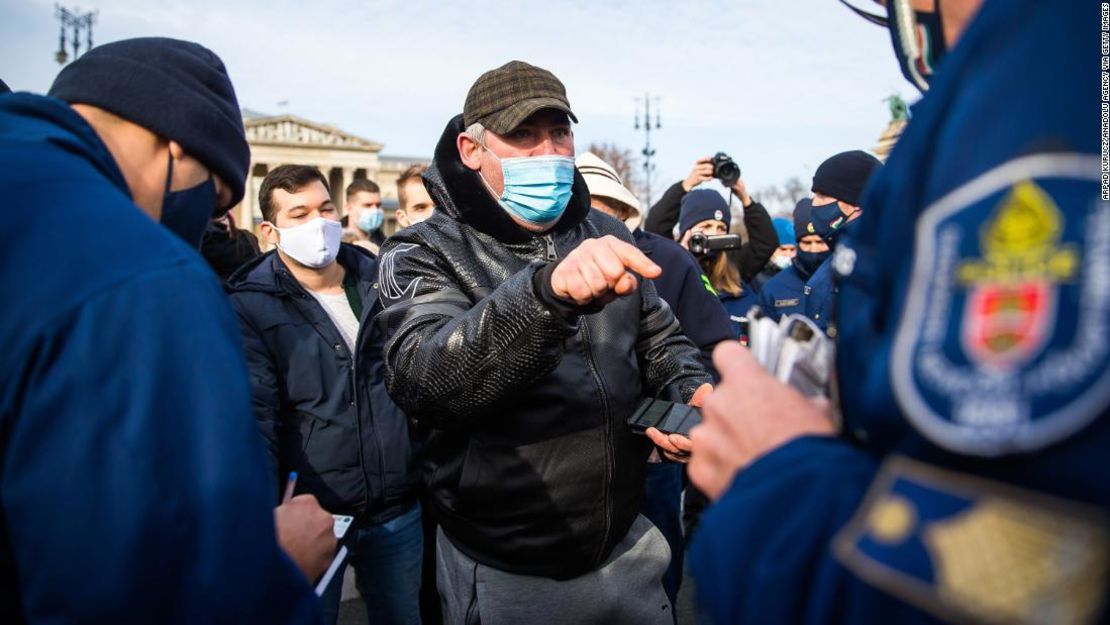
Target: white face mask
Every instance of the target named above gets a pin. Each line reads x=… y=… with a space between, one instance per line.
x=313 y=244
x=782 y=262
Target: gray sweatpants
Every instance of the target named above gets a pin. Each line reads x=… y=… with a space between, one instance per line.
x=627 y=588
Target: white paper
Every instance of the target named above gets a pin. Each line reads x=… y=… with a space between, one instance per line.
x=330 y=573
x=342 y=523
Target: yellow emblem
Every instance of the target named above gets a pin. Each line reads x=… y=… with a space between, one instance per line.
x=1011 y=563
x=1021 y=243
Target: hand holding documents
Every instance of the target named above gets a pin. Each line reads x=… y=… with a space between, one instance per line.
x=794 y=350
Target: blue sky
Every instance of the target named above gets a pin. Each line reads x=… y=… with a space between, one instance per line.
x=778 y=84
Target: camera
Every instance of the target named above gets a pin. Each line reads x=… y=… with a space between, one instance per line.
x=725 y=169
x=702 y=244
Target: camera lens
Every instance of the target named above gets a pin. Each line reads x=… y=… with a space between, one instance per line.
x=725 y=169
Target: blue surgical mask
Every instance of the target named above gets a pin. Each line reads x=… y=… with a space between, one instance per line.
x=370 y=220
x=828 y=220
x=808 y=262
x=186 y=213
x=537 y=188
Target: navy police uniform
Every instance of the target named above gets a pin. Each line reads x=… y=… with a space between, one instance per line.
x=783 y=294
x=974 y=328
x=819 y=293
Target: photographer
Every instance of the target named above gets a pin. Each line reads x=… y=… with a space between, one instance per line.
x=750 y=259
x=705 y=212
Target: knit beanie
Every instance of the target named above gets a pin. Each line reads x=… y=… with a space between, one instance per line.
x=845 y=175
x=699 y=205
x=178 y=90
x=784 y=228
x=803 y=218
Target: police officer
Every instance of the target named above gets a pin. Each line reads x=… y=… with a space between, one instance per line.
x=784 y=253
x=973 y=386
x=837 y=188
x=782 y=295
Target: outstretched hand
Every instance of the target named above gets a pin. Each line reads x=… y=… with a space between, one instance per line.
x=749 y=414
x=599 y=268
x=676 y=447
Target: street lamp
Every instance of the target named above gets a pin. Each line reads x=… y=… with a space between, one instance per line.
x=77 y=21
x=648 y=151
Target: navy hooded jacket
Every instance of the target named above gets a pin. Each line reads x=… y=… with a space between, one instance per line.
x=703 y=318
x=819 y=293
x=133 y=484
x=323 y=411
x=974 y=367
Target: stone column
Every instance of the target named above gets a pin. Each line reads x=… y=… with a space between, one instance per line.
x=244 y=216
x=341 y=194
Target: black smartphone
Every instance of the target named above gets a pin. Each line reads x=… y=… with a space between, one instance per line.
x=665 y=416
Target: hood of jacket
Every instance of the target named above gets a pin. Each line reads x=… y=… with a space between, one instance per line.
x=460 y=192
x=34 y=119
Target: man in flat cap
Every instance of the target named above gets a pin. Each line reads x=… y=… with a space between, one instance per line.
x=134 y=485
x=522 y=332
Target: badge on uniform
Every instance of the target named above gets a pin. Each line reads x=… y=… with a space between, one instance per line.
x=967 y=549
x=1005 y=342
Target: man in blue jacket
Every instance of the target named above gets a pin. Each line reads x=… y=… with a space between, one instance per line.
x=838 y=186
x=973 y=351
x=784 y=293
x=319 y=398
x=133 y=487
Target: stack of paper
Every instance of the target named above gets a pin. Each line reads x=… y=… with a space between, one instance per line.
x=795 y=350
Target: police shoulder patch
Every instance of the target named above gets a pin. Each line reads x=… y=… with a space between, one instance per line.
x=973 y=550
x=1004 y=345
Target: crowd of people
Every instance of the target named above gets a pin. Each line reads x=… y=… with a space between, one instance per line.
x=186 y=419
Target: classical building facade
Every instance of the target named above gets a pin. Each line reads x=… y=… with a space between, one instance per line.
x=341 y=156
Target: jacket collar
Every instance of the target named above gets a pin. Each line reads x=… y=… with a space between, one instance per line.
x=268 y=274
x=459 y=192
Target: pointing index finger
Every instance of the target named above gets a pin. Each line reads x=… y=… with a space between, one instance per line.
x=634 y=259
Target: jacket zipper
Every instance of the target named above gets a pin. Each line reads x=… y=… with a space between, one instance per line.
x=552 y=255
x=303 y=294
x=609 y=453
x=549 y=243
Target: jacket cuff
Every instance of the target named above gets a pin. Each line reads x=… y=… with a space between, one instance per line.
x=565 y=309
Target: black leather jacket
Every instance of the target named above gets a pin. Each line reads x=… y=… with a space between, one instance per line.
x=528 y=459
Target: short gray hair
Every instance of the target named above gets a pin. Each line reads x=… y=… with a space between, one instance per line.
x=477 y=132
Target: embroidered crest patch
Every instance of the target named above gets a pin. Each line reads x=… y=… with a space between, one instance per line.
x=1004 y=345
x=974 y=550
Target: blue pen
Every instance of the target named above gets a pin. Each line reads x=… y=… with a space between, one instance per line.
x=289 y=486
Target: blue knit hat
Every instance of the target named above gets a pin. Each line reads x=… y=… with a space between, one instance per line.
x=803 y=218
x=784 y=228
x=844 y=176
x=178 y=90
x=699 y=205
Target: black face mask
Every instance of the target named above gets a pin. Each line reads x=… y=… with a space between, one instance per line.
x=186 y=213
x=808 y=262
